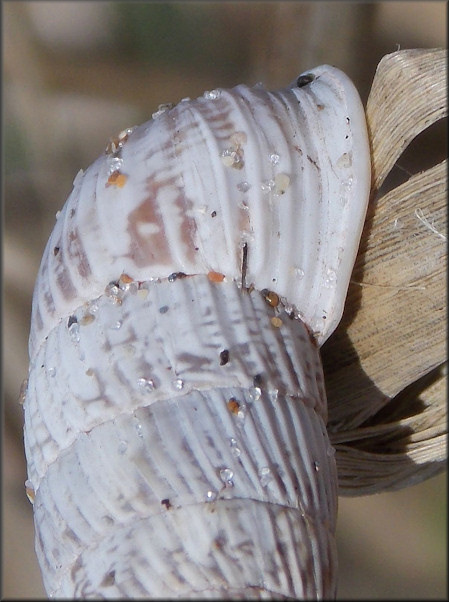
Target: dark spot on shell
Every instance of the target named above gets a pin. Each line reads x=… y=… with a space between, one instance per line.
x=109 y=579
x=224 y=357
x=219 y=542
x=312 y=161
x=56 y=251
x=257 y=380
x=244 y=264
x=305 y=79
x=163 y=309
x=72 y=320
x=176 y=276
x=213 y=214
x=108 y=520
x=166 y=502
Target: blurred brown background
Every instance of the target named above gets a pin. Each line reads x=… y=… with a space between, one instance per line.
x=76 y=73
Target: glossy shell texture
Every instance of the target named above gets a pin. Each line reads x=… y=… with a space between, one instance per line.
x=175 y=419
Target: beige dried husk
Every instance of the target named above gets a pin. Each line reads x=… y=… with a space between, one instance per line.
x=385 y=364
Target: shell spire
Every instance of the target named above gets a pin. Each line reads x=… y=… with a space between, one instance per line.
x=175 y=419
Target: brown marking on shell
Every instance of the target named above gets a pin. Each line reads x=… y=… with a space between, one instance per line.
x=217 y=116
x=219 y=542
x=88 y=318
x=155 y=247
x=188 y=227
x=193 y=362
x=57 y=261
x=63 y=280
x=77 y=255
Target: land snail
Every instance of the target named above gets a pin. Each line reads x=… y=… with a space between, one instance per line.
x=175 y=416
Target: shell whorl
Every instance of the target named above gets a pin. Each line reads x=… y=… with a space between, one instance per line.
x=175 y=419
x=182 y=210
x=173 y=423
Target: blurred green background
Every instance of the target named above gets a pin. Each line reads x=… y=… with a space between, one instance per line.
x=76 y=73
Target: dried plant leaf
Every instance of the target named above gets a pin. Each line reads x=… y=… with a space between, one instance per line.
x=398 y=288
x=393 y=331
x=397 y=453
x=408 y=95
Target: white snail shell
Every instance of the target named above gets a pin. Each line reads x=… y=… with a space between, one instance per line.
x=175 y=419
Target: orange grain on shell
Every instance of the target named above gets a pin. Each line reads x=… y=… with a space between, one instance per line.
x=272 y=298
x=215 y=276
x=233 y=406
x=125 y=279
x=117 y=179
x=276 y=322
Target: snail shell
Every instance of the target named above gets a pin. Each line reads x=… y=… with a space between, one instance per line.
x=175 y=418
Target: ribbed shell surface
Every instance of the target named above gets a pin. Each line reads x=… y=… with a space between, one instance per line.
x=175 y=418
x=184 y=209
x=160 y=431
